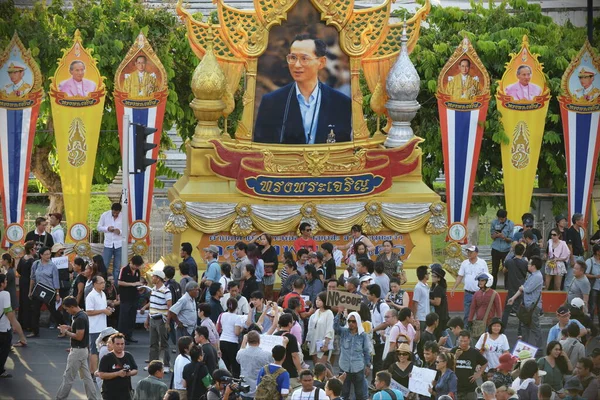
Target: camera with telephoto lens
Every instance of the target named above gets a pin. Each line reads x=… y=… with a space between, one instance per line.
x=237 y=385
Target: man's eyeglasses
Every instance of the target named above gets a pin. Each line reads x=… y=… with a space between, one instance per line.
x=304 y=60
x=352 y=321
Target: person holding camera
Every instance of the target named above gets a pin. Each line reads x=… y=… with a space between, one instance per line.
x=224 y=388
x=116 y=369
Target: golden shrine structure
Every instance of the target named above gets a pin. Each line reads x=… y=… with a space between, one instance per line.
x=235 y=188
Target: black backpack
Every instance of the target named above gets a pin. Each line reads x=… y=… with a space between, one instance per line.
x=175 y=289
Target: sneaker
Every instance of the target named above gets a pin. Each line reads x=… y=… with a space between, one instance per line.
x=145 y=368
x=167 y=370
x=174 y=351
x=52 y=326
x=513 y=314
x=5 y=374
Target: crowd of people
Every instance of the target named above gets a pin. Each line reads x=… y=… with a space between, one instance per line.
x=233 y=336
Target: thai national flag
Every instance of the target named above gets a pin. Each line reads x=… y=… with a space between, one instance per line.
x=462 y=131
x=141 y=186
x=17 y=130
x=581 y=130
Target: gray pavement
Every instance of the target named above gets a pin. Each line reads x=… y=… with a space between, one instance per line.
x=38 y=368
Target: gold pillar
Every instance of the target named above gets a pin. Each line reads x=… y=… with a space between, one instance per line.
x=246 y=124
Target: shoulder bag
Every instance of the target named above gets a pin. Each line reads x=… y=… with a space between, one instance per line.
x=525 y=315
x=41 y=292
x=478 y=327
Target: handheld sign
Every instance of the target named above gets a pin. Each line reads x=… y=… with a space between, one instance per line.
x=267 y=342
x=350 y=301
x=420 y=381
x=61 y=262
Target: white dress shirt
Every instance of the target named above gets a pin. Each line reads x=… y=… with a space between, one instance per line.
x=111 y=239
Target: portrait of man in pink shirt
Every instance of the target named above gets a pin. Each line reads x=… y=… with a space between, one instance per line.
x=523 y=89
x=77 y=85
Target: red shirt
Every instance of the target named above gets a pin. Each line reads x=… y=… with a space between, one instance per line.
x=480 y=303
x=308 y=244
x=288 y=296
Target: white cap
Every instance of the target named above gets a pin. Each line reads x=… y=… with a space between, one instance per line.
x=577 y=302
x=366 y=278
x=159 y=273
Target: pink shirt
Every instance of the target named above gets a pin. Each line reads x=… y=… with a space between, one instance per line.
x=409 y=331
x=561 y=251
x=520 y=92
x=74 y=88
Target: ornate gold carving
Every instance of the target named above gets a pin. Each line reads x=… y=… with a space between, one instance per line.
x=465 y=50
x=16 y=50
x=271 y=13
x=17 y=251
x=83 y=249
x=335 y=12
x=520 y=146
x=142 y=47
x=309 y=214
x=242 y=225
x=373 y=222
x=314 y=163
x=437 y=222
x=77 y=147
x=454 y=257
x=177 y=222
x=140 y=248
x=209 y=86
x=364 y=30
x=524 y=56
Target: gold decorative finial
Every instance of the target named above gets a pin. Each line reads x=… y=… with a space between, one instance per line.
x=209 y=86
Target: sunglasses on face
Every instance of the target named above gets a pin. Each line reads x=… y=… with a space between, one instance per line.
x=403 y=354
x=351 y=321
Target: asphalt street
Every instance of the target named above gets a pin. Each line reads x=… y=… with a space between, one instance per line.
x=38 y=368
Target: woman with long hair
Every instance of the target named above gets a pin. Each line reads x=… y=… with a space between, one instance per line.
x=184 y=345
x=556 y=364
x=253 y=254
x=320 y=330
x=78 y=285
x=230 y=327
x=101 y=268
x=438 y=298
x=268 y=255
x=360 y=251
x=558 y=254
x=24 y=271
x=90 y=271
x=392 y=264
x=447 y=382
x=225 y=277
x=44 y=271
x=11 y=279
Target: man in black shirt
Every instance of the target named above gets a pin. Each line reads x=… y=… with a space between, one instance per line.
x=532 y=248
x=216 y=309
x=129 y=280
x=77 y=361
x=467 y=360
x=329 y=260
x=116 y=369
x=515 y=271
x=210 y=358
x=432 y=321
x=575 y=245
x=39 y=234
x=292 y=350
x=250 y=284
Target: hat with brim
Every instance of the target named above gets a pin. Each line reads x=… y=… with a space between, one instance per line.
x=574 y=384
x=583 y=73
x=472 y=248
x=366 y=278
x=212 y=248
x=577 y=302
x=403 y=348
x=525 y=355
x=159 y=273
x=16 y=66
x=507 y=362
x=438 y=271
x=57 y=247
x=494 y=321
x=105 y=333
x=354 y=281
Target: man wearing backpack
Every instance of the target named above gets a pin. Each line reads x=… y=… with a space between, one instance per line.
x=383 y=380
x=308 y=390
x=273 y=382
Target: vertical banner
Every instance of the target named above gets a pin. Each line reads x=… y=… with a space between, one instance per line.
x=141 y=93
x=20 y=98
x=463 y=97
x=77 y=99
x=580 y=112
x=522 y=100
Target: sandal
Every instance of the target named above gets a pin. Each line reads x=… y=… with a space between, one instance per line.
x=5 y=374
x=32 y=335
x=20 y=343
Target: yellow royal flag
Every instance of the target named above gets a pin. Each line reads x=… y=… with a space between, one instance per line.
x=77 y=99
x=522 y=100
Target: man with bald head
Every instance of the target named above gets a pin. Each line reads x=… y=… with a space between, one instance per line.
x=523 y=89
x=77 y=85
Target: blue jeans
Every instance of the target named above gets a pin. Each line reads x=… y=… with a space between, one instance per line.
x=467 y=303
x=107 y=254
x=356 y=379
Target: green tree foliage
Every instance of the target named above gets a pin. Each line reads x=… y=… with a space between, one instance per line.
x=495 y=31
x=109 y=27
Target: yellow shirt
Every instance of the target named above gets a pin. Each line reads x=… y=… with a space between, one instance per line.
x=140 y=85
x=462 y=90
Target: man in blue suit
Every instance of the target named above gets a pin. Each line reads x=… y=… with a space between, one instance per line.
x=306 y=110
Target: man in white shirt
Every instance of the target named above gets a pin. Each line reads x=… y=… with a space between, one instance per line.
x=56 y=230
x=97 y=310
x=243 y=307
x=110 y=224
x=420 y=302
x=308 y=390
x=472 y=267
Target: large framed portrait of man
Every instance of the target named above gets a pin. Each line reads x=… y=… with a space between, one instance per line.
x=303 y=83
